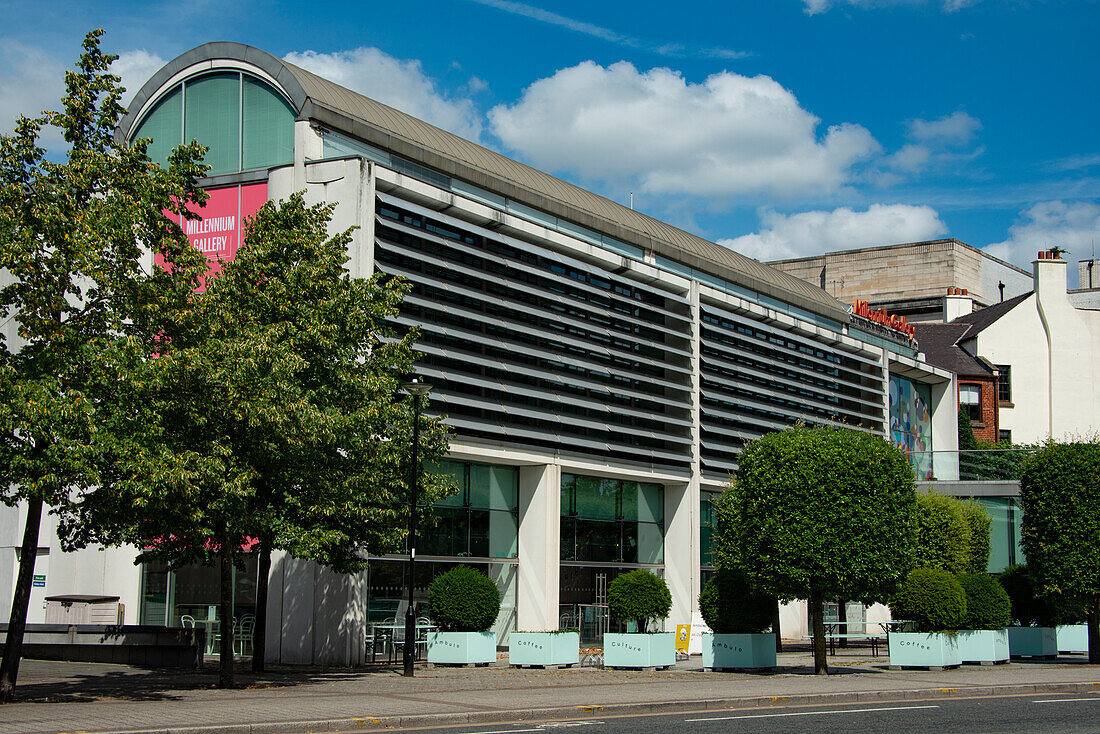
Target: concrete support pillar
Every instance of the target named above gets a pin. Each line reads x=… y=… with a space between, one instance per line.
x=945 y=430
x=539 y=547
x=681 y=554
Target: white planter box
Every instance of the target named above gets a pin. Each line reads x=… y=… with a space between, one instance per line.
x=657 y=650
x=732 y=652
x=1073 y=638
x=544 y=648
x=462 y=648
x=1034 y=642
x=924 y=649
x=983 y=646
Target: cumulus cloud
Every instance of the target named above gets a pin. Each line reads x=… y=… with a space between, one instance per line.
x=730 y=134
x=402 y=84
x=945 y=141
x=135 y=68
x=811 y=233
x=1074 y=226
x=813 y=7
x=33 y=81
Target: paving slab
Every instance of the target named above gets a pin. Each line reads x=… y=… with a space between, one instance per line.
x=90 y=697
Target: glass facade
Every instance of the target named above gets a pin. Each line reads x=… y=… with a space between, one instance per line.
x=611 y=520
x=481 y=520
x=1004 y=531
x=242 y=120
x=707 y=518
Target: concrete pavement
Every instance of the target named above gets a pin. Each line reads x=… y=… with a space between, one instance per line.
x=88 y=697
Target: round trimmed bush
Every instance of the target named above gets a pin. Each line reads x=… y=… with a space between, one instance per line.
x=932 y=598
x=729 y=604
x=640 y=596
x=987 y=603
x=463 y=600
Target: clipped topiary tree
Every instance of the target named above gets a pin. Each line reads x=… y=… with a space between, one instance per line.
x=1027 y=608
x=1060 y=494
x=987 y=604
x=820 y=513
x=463 y=600
x=978 y=519
x=730 y=605
x=931 y=598
x=943 y=534
x=639 y=596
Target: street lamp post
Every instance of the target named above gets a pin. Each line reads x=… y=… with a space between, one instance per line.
x=415 y=388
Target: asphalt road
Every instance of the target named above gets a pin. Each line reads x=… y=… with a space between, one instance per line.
x=1034 y=713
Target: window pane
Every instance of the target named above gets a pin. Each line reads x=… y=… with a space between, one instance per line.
x=568 y=494
x=268 y=132
x=969 y=394
x=503 y=534
x=163 y=125
x=597 y=498
x=651 y=543
x=597 y=541
x=212 y=116
x=457 y=470
x=494 y=487
x=446 y=535
x=568 y=539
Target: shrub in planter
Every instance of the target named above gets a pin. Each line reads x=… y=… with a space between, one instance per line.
x=639 y=596
x=729 y=605
x=1028 y=609
x=978 y=519
x=987 y=604
x=738 y=615
x=932 y=598
x=463 y=600
x=943 y=534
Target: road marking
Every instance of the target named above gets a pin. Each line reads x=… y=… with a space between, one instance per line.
x=814 y=713
x=1067 y=700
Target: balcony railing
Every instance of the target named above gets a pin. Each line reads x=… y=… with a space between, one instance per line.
x=993 y=465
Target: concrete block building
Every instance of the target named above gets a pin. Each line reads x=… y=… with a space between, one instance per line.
x=601 y=369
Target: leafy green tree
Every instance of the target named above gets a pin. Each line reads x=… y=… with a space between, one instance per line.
x=1060 y=495
x=639 y=596
x=979 y=521
x=943 y=534
x=820 y=514
x=75 y=237
x=967 y=440
x=271 y=417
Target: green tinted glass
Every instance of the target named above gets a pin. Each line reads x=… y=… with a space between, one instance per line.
x=212 y=116
x=457 y=470
x=267 y=135
x=164 y=125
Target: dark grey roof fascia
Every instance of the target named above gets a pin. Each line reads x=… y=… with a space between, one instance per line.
x=983 y=318
x=316 y=98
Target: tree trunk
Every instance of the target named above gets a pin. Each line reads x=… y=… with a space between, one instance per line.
x=259 y=632
x=776 y=629
x=1094 y=633
x=17 y=624
x=842 y=617
x=225 y=614
x=817 y=614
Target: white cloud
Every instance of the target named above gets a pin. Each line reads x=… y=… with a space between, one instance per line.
x=940 y=143
x=135 y=68
x=1074 y=226
x=731 y=134
x=958 y=128
x=813 y=7
x=395 y=82
x=814 y=232
x=33 y=81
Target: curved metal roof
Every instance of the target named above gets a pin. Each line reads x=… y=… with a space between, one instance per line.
x=341 y=109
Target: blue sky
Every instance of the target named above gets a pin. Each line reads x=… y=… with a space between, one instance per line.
x=779 y=127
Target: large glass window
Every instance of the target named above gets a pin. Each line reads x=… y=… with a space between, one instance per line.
x=481 y=519
x=1004 y=532
x=970 y=400
x=707 y=516
x=243 y=121
x=611 y=520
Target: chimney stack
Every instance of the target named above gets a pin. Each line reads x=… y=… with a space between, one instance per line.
x=957 y=303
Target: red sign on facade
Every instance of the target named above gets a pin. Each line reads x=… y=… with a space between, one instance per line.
x=218 y=233
x=880 y=316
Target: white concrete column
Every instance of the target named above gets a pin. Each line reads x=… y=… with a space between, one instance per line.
x=945 y=429
x=681 y=554
x=539 y=547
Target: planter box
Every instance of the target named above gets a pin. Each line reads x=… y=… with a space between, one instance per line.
x=1073 y=638
x=657 y=650
x=924 y=649
x=1035 y=642
x=733 y=652
x=544 y=648
x=983 y=646
x=462 y=648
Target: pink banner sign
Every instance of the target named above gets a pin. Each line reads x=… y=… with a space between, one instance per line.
x=217 y=234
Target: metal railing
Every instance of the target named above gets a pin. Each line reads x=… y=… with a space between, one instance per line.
x=991 y=465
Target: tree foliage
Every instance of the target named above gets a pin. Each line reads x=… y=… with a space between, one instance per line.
x=931 y=598
x=639 y=596
x=943 y=534
x=979 y=521
x=987 y=604
x=463 y=600
x=820 y=514
x=730 y=605
x=1060 y=495
x=76 y=239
